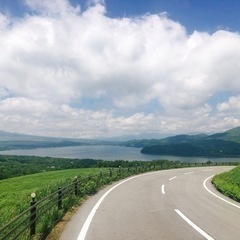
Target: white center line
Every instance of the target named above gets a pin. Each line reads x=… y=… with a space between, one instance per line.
x=163 y=190
x=193 y=225
x=170 y=179
x=188 y=173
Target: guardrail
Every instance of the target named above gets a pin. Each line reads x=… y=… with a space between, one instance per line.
x=43 y=214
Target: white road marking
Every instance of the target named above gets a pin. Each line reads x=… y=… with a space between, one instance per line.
x=207 y=170
x=163 y=190
x=88 y=221
x=205 y=186
x=188 y=173
x=170 y=179
x=193 y=225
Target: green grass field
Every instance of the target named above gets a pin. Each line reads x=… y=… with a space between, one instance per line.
x=15 y=192
x=229 y=183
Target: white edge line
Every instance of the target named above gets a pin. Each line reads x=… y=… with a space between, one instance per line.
x=205 y=186
x=170 y=179
x=198 y=229
x=163 y=190
x=88 y=221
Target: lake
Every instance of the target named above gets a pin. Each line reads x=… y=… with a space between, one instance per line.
x=107 y=152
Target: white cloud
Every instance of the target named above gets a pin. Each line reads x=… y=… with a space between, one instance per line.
x=55 y=8
x=59 y=56
x=232 y=105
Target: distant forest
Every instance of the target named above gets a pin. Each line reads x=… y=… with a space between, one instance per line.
x=209 y=148
x=13 y=166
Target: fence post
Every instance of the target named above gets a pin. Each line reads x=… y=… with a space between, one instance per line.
x=75 y=185
x=33 y=215
x=59 y=198
x=110 y=172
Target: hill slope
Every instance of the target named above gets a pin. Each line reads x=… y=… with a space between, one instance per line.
x=225 y=144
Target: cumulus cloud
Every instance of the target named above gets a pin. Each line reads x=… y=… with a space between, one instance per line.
x=56 y=57
x=56 y=7
x=232 y=105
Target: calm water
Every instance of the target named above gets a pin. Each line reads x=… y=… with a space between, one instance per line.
x=107 y=153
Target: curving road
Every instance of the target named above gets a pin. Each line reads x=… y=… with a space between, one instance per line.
x=170 y=204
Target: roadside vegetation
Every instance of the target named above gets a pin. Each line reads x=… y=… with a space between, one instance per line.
x=13 y=166
x=229 y=183
x=15 y=192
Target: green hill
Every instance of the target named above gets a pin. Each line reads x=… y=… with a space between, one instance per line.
x=226 y=144
x=210 y=148
x=232 y=135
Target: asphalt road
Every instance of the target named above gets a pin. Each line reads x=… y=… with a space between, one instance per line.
x=171 y=204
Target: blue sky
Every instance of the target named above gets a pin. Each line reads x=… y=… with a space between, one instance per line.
x=117 y=67
x=201 y=15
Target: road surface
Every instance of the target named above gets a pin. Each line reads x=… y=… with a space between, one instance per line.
x=169 y=204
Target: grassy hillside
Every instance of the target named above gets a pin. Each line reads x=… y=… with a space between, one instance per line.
x=229 y=183
x=15 y=192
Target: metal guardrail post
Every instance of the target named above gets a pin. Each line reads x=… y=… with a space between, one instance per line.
x=33 y=214
x=76 y=186
x=59 y=198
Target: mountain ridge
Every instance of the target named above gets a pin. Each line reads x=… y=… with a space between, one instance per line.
x=10 y=141
x=226 y=144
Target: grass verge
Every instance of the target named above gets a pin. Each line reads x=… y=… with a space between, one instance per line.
x=15 y=192
x=15 y=197
x=229 y=183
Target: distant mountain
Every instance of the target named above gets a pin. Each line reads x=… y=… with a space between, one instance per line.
x=225 y=144
x=9 y=136
x=169 y=140
x=230 y=135
x=9 y=141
